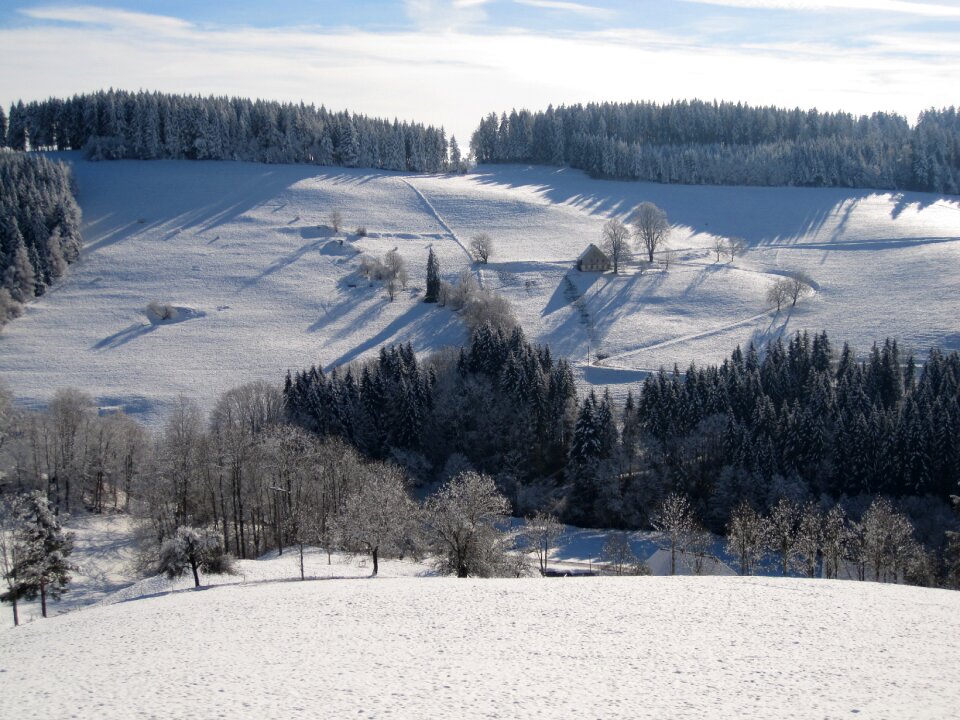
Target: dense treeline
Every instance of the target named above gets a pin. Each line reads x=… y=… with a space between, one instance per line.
x=796 y=423
x=117 y=124
x=714 y=143
x=39 y=227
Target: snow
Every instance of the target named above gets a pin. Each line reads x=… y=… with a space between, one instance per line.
x=440 y=647
x=262 y=285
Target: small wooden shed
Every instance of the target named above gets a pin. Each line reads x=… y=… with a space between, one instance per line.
x=593 y=259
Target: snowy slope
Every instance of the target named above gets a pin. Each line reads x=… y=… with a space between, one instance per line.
x=264 y=286
x=442 y=647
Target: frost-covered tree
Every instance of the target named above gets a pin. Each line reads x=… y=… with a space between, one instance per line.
x=746 y=537
x=194 y=548
x=465 y=521
x=674 y=522
x=779 y=292
x=782 y=533
x=887 y=540
x=651 y=228
x=615 y=242
x=617 y=553
x=800 y=285
x=377 y=516
x=433 y=278
x=43 y=566
x=10 y=552
x=335 y=220
x=834 y=540
x=481 y=245
x=542 y=533
x=809 y=539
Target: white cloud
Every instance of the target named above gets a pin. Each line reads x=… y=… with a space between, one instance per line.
x=452 y=77
x=445 y=14
x=923 y=9
x=573 y=7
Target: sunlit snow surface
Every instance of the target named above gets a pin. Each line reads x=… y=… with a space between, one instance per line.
x=263 y=285
x=441 y=647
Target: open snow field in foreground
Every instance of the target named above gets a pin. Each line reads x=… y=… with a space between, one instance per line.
x=441 y=647
x=262 y=284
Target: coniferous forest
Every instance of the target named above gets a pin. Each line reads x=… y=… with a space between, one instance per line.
x=710 y=143
x=801 y=422
x=116 y=124
x=39 y=227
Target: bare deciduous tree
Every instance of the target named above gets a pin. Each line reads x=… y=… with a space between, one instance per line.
x=651 y=227
x=617 y=553
x=746 y=537
x=779 y=293
x=736 y=246
x=720 y=247
x=335 y=220
x=674 y=523
x=464 y=519
x=542 y=533
x=481 y=245
x=800 y=285
x=375 y=517
x=782 y=533
x=615 y=241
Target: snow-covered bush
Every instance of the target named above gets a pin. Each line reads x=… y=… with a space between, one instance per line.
x=160 y=312
x=361 y=231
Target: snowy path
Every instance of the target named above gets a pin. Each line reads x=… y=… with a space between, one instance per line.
x=444 y=225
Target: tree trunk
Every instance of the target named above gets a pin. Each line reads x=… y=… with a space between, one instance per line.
x=301 y=563
x=43 y=598
x=374 y=553
x=196 y=575
x=673 y=559
x=16 y=613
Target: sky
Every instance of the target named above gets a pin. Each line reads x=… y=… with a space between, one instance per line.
x=450 y=62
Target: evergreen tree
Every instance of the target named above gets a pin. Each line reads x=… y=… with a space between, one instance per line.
x=433 y=278
x=43 y=568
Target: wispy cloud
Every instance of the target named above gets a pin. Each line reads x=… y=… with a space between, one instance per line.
x=445 y=14
x=572 y=7
x=922 y=9
x=109 y=17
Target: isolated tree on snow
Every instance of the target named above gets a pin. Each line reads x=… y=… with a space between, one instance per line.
x=433 y=278
x=377 y=516
x=650 y=227
x=674 y=523
x=779 y=293
x=482 y=247
x=542 y=533
x=192 y=548
x=800 y=285
x=464 y=519
x=335 y=220
x=615 y=241
x=746 y=537
x=43 y=567
x=719 y=246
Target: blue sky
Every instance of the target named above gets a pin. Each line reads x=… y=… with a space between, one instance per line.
x=450 y=61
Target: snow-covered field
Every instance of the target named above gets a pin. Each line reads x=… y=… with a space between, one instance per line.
x=442 y=647
x=263 y=285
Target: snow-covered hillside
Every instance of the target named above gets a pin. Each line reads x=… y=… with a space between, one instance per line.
x=442 y=647
x=262 y=285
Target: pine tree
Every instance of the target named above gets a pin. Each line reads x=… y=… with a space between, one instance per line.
x=433 y=278
x=3 y=128
x=43 y=568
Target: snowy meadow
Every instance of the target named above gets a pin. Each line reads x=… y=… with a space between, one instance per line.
x=262 y=284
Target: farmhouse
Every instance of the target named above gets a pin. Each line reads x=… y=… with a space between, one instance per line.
x=593 y=259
